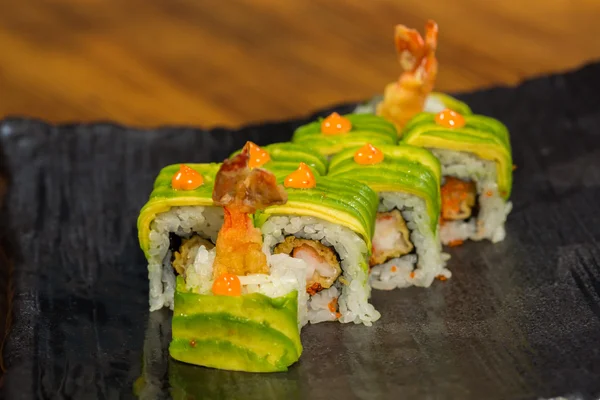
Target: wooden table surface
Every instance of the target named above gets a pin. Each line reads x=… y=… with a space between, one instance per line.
x=232 y=62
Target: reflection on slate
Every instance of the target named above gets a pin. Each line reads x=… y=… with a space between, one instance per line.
x=520 y=319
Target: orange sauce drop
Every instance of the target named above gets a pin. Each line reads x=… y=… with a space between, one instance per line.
x=449 y=119
x=368 y=154
x=227 y=285
x=335 y=124
x=258 y=156
x=302 y=178
x=186 y=179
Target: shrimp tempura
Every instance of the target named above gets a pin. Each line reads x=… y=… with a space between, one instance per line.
x=241 y=191
x=405 y=98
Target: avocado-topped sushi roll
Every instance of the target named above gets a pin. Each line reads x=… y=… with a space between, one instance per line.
x=179 y=219
x=232 y=308
x=327 y=225
x=335 y=133
x=476 y=159
x=406 y=249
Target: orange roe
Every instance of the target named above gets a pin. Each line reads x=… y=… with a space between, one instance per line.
x=368 y=155
x=454 y=192
x=186 y=179
x=258 y=156
x=302 y=178
x=449 y=119
x=335 y=124
x=227 y=285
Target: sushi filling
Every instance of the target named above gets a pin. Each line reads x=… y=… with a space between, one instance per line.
x=187 y=251
x=391 y=238
x=406 y=252
x=335 y=262
x=322 y=262
x=459 y=199
x=322 y=271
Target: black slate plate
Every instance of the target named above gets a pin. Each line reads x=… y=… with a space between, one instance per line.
x=519 y=320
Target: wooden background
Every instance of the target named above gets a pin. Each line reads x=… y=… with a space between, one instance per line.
x=230 y=62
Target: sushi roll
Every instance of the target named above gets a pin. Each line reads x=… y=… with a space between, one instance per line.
x=178 y=221
x=406 y=248
x=231 y=309
x=326 y=224
x=179 y=218
x=333 y=134
x=476 y=158
x=236 y=304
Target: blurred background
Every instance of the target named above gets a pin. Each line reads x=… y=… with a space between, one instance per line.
x=233 y=62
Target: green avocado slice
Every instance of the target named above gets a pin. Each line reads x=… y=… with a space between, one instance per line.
x=366 y=128
x=222 y=354
x=251 y=332
x=260 y=339
x=286 y=156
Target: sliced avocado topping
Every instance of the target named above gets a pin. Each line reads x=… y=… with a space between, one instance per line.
x=222 y=354
x=366 y=128
x=252 y=332
x=259 y=338
x=285 y=158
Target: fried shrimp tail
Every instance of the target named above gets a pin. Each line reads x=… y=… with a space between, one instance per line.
x=242 y=191
x=406 y=97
